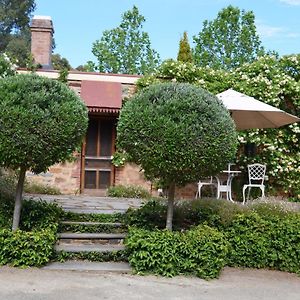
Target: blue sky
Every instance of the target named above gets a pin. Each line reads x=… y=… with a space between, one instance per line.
x=79 y=23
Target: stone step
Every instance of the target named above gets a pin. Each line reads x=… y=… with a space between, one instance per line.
x=91 y=223
x=78 y=265
x=72 y=247
x=91 y=236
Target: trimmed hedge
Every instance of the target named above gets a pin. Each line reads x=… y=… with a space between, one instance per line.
x=128 y=191
x=201 y=251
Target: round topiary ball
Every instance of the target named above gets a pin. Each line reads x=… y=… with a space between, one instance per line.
x=42 y=122
x=177 y=132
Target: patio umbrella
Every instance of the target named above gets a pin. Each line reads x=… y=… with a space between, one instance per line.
x=248 y=112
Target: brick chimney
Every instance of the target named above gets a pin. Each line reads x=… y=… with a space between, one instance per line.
x=41 y=40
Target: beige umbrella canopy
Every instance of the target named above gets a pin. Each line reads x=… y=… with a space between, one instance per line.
x=248 y=112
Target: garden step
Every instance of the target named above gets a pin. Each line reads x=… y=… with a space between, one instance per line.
x=89 y=236
x=78 y=265
x=91 y=223
x=73 y=247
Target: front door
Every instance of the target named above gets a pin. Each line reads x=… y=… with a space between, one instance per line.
x=97 y=156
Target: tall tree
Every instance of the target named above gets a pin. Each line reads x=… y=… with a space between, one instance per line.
x=126 y=49
x=14 y=18
x=228 y=41
x=185 y=52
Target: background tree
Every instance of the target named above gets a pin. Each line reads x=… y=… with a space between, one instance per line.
x=185 y=52
x=177 y=133
x=60 y=63
x=126 y=49
x=42 y=122
x=14 y=28
x=228 y=41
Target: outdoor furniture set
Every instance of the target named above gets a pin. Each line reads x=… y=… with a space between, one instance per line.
x=223 y=181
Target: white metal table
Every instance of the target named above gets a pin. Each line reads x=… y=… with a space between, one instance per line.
x=224 y=183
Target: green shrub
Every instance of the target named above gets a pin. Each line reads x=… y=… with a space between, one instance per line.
x=129 y=191
x=38 y=188
x=265 y=242
x=216 y=213
x=37 y=215
x=201 y=251
x=22 y=248
x=151 y=215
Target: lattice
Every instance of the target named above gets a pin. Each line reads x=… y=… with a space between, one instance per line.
x=256 y=172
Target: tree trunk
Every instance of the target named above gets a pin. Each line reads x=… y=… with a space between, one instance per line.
x=171 y=196
x=18 y=200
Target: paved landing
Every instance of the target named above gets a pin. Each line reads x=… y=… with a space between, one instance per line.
x=91 y=204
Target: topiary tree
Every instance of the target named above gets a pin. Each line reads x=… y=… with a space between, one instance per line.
x=42 y=122
x=177 y=133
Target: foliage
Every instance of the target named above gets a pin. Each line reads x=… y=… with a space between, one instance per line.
x=262 y=235
x=22 y=248
x=42 y=122
x=185 y=52
x=19 y=47
x=166 y=128
x=60 y=63
x=128 y=191
x=271 y=242
x=126 y=49
x=14 y=17
x=116 y=256
x=33 y=245
x=151 y=215
x=201 y=251
x=176 y=133
x=39 y=188
x=228 y=41
x=7 y=68
x=120 y=158
x=38 y=215
x=271 y=79
x=71 y=216
x=95 y=228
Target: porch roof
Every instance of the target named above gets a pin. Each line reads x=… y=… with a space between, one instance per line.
x=102 y=97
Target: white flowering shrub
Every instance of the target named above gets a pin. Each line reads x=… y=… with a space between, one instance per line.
x=269 y=79
x=7 y=67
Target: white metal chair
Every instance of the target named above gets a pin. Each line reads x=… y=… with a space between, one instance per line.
x=256 y=174
x=205 y=182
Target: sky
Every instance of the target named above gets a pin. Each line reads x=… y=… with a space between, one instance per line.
x=79 y=23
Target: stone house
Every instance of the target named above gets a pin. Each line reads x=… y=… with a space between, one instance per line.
x=92 y=172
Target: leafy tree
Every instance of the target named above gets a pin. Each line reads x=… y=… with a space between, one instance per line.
x=177 y=133
x=185 y=52
x=126 y=49
x=228 y=41
x=14 y=18
x=88 y=67
x=60 y=63
x=42 y=122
